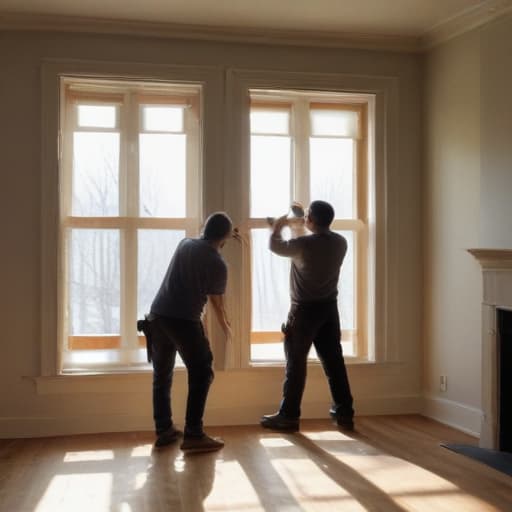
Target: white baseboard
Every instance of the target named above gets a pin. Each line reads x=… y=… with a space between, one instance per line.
x=30 y=426
x=19 y=427
x=454 y=414
x=315 y=410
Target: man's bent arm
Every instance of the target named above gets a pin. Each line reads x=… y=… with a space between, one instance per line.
x=218 y=304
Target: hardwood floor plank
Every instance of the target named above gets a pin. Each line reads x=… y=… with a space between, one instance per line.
x=391 y=463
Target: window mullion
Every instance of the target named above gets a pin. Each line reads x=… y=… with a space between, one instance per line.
x=362 y=236
x=300 y=137
x=66 y=171
x=129 y=207
x=193 y=178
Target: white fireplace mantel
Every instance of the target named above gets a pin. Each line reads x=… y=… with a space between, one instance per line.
x=497 y=294
x=493 y=259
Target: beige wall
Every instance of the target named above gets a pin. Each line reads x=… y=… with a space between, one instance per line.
x=88 y=404
x=496 y=84
x=468 y=179
x=452 y=210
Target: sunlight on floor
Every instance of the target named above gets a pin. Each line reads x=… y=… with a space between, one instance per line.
x=89 y=456
x=142 y=451
x=82 y=492
x=311 y=471
x=140 y=480
x=242 y=495
x=305 y=481
x=274 y=442
x=405 y=483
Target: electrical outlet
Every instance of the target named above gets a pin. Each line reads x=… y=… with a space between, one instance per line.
x=443 y=383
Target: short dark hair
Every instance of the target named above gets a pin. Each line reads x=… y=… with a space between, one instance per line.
x=217 y=226
x=321 y=213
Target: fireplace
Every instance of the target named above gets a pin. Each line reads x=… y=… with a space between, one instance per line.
x=504 y=322
x=496 y=428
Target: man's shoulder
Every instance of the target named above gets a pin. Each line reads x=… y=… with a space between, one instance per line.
x=205 y=252
x=325 y=235
x=339 y=239
x=197 y=245
x=326 y=241
x=337 y=236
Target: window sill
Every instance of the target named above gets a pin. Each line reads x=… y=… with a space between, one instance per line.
x=349 y=361
x=139 y=381
x=120 y=381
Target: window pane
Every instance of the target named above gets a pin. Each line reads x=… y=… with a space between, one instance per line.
x=346 y=293
x=270 y=295
x=94 y=295
x=270 y=284
x=270 y=121
x=156 y=248
x=341 y=123
x=95 y=174
x=332 y=174
x=270 y=352
x=162 y=119
x=162 y=175
x=270 y=175
x=95 y=116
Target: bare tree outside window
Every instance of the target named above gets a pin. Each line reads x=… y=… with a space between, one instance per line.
x=95 y=253
x=124 y=197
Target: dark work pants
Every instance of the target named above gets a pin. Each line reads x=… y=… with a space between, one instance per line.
x=188 y=339
x=317 y=324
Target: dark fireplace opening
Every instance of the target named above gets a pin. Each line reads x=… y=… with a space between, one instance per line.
x=505 y=379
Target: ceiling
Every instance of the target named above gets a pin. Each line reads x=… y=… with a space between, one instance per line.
x=397 y=18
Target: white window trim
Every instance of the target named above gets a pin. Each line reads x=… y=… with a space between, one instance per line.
x=298 y=105
x=382 y=293
x=211 y=79
x=130 y=356
x=222 y=162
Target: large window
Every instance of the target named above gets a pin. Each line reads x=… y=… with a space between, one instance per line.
x=307 y=146
x=131 y=188
x=129 y=193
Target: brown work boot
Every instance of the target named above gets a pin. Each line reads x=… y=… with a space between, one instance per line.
x=279 y=422
x=201 y=444
x=344 y=421
x=167 y=437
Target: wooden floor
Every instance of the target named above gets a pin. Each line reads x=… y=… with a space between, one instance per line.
x=392 y=463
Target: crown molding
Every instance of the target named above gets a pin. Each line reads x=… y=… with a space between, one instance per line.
x=42 y=22
x=465 y=21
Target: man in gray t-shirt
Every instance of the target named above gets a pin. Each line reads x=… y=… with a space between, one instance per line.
x=197 y=273
x=316 y=260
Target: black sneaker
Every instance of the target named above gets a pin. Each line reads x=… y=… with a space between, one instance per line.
x=279 y=422
x=345 y=422
x=168 y=436
x=201 y=444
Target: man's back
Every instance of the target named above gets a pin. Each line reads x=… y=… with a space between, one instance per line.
x=316 y=262
x=195 y=271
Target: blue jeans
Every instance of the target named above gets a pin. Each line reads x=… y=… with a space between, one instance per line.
x=187 y=337
x=317 y=324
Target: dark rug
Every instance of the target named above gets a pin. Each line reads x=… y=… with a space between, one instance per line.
x=501 y=461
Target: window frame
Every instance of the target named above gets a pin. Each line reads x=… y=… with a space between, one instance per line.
x=127 y=348
x=300 y=106
x=223 y=164
x=209 y=164
x=381 y=94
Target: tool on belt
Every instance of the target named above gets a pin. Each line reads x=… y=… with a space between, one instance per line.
x=144 y=327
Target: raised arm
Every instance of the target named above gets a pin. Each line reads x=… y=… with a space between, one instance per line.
x=280 y=246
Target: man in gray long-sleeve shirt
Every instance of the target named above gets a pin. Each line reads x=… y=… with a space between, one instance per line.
x=313 y=317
